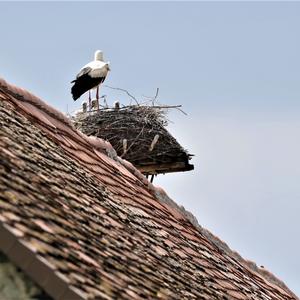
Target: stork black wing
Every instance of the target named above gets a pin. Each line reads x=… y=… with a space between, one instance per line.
x=83 y=83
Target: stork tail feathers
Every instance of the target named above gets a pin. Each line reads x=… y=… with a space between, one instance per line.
x=77 y=90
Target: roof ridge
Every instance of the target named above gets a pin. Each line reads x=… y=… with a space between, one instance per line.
x=96 y=143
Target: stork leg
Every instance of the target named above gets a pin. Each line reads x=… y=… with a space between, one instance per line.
x=90 y=101
x=97 y=97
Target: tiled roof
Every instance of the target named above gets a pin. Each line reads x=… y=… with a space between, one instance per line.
x=85 y=224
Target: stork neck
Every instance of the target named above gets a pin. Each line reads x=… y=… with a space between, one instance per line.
x=99 y=56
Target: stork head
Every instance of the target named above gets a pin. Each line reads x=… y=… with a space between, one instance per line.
x=108 y=66
x=99 y=55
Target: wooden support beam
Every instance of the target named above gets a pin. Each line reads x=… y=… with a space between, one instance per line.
x=152 y=177
x=155 y=139
x=165 y=168
x=124 y=146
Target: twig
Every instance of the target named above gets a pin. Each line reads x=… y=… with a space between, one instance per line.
x=146 y=106
x=170 y=106
x=157 y=90
x=164 y=106
x=68 y=114
x=123 y=90
x=152 y=99
x=134 y=141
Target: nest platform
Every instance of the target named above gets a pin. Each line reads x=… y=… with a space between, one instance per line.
x=138 y=134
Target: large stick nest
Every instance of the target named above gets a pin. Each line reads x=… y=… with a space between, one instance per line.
x=131 y=131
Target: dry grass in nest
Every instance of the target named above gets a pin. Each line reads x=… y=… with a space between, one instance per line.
x=132 y=130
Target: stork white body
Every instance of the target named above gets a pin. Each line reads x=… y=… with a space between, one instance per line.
x=90 y=76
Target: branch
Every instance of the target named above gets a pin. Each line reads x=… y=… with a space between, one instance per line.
x=170 y=106
x=157 y=90
x=123 y=90
x=152 y=99
x=133 y=141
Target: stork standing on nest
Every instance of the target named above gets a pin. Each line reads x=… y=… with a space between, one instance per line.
x=90 y=77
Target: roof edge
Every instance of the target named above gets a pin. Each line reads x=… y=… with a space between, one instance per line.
x=36 y=268
x=59 y=120
x=221 y=245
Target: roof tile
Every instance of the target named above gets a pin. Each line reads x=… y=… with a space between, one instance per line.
x=98 y=222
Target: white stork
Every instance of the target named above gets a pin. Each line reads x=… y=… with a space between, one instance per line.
x=90 y=77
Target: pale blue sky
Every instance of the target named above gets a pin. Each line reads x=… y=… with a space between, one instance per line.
x=234 y=67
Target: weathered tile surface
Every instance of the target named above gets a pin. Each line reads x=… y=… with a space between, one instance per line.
x=95 y=222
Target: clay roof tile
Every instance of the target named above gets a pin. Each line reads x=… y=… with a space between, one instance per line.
x=85 y=224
